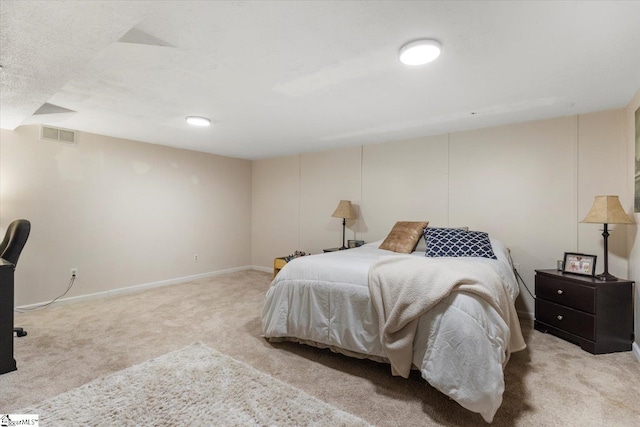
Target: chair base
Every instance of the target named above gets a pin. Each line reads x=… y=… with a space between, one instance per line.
x=20 y=332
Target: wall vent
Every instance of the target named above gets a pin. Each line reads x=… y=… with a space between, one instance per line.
x=66 y=136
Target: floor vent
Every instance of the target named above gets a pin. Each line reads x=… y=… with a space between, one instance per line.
x=48 y=133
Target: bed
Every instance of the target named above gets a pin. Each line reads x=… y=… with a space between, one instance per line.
x=461 y=345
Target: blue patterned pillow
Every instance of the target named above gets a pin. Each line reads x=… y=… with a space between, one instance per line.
x=453 y=242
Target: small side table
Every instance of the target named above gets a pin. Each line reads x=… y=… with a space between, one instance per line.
x=278 y=263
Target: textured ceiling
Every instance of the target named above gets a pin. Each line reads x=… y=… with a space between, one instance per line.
x=279 y=78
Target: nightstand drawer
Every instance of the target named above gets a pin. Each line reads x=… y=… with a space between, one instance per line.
x=566 y=293
x=567 y=319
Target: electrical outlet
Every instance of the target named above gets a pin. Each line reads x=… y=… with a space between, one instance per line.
x=516 y=266
x=74 y=272
x=195 y=257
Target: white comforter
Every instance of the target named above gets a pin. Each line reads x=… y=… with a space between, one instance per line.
x=460 y=346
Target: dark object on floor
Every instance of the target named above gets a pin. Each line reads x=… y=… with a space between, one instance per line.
x=11 y=247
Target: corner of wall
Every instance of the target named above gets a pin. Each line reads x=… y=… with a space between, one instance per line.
x=633 y=235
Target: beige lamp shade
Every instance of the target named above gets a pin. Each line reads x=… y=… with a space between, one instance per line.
x=344 y=210
x=607 y=210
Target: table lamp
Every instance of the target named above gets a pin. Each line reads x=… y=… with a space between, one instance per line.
x=607 y=210
x=344 y=211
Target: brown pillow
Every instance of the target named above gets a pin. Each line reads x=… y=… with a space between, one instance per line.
x=404 y=236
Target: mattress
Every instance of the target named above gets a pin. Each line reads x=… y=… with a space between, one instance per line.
x=460 y=346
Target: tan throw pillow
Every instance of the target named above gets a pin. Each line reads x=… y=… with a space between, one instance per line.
x=404 y=236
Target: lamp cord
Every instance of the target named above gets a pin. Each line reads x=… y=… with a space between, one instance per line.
x=517 y=274
x=47 y=304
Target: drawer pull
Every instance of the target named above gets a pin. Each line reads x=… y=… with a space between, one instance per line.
x=560 y=292
x=559 y=317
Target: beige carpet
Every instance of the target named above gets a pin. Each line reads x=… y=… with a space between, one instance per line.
x=552 y=383
x=192 y=386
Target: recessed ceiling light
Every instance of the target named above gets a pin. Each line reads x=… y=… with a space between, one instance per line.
x=198 y=121
x=419 y=52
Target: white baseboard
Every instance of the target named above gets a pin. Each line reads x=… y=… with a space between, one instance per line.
x=265 y=269
x=636 y=350
x=137 y=288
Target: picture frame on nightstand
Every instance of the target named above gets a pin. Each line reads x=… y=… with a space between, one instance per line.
x=582 y=264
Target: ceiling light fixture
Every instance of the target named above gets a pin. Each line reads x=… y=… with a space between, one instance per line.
x=198 y=121
x=419 y=52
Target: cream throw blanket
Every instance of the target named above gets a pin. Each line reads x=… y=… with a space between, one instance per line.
x=403 y=288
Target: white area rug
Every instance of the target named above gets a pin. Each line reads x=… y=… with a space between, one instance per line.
x=192 y=386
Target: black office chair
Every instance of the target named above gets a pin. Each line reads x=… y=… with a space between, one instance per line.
x=11 y=247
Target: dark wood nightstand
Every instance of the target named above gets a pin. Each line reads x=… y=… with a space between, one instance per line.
x=596 y=315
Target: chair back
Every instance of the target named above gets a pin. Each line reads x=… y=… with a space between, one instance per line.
x=14 y=240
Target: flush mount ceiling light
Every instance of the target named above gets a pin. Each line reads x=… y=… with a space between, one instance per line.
x=198 y=121
x=419 y=52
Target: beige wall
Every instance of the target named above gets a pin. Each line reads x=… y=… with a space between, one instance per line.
x=293 y=199
x=404 y=181
x=632 y=230
x=124 y=213
x=527 y=184
x=325 y=179
x=275 y=208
